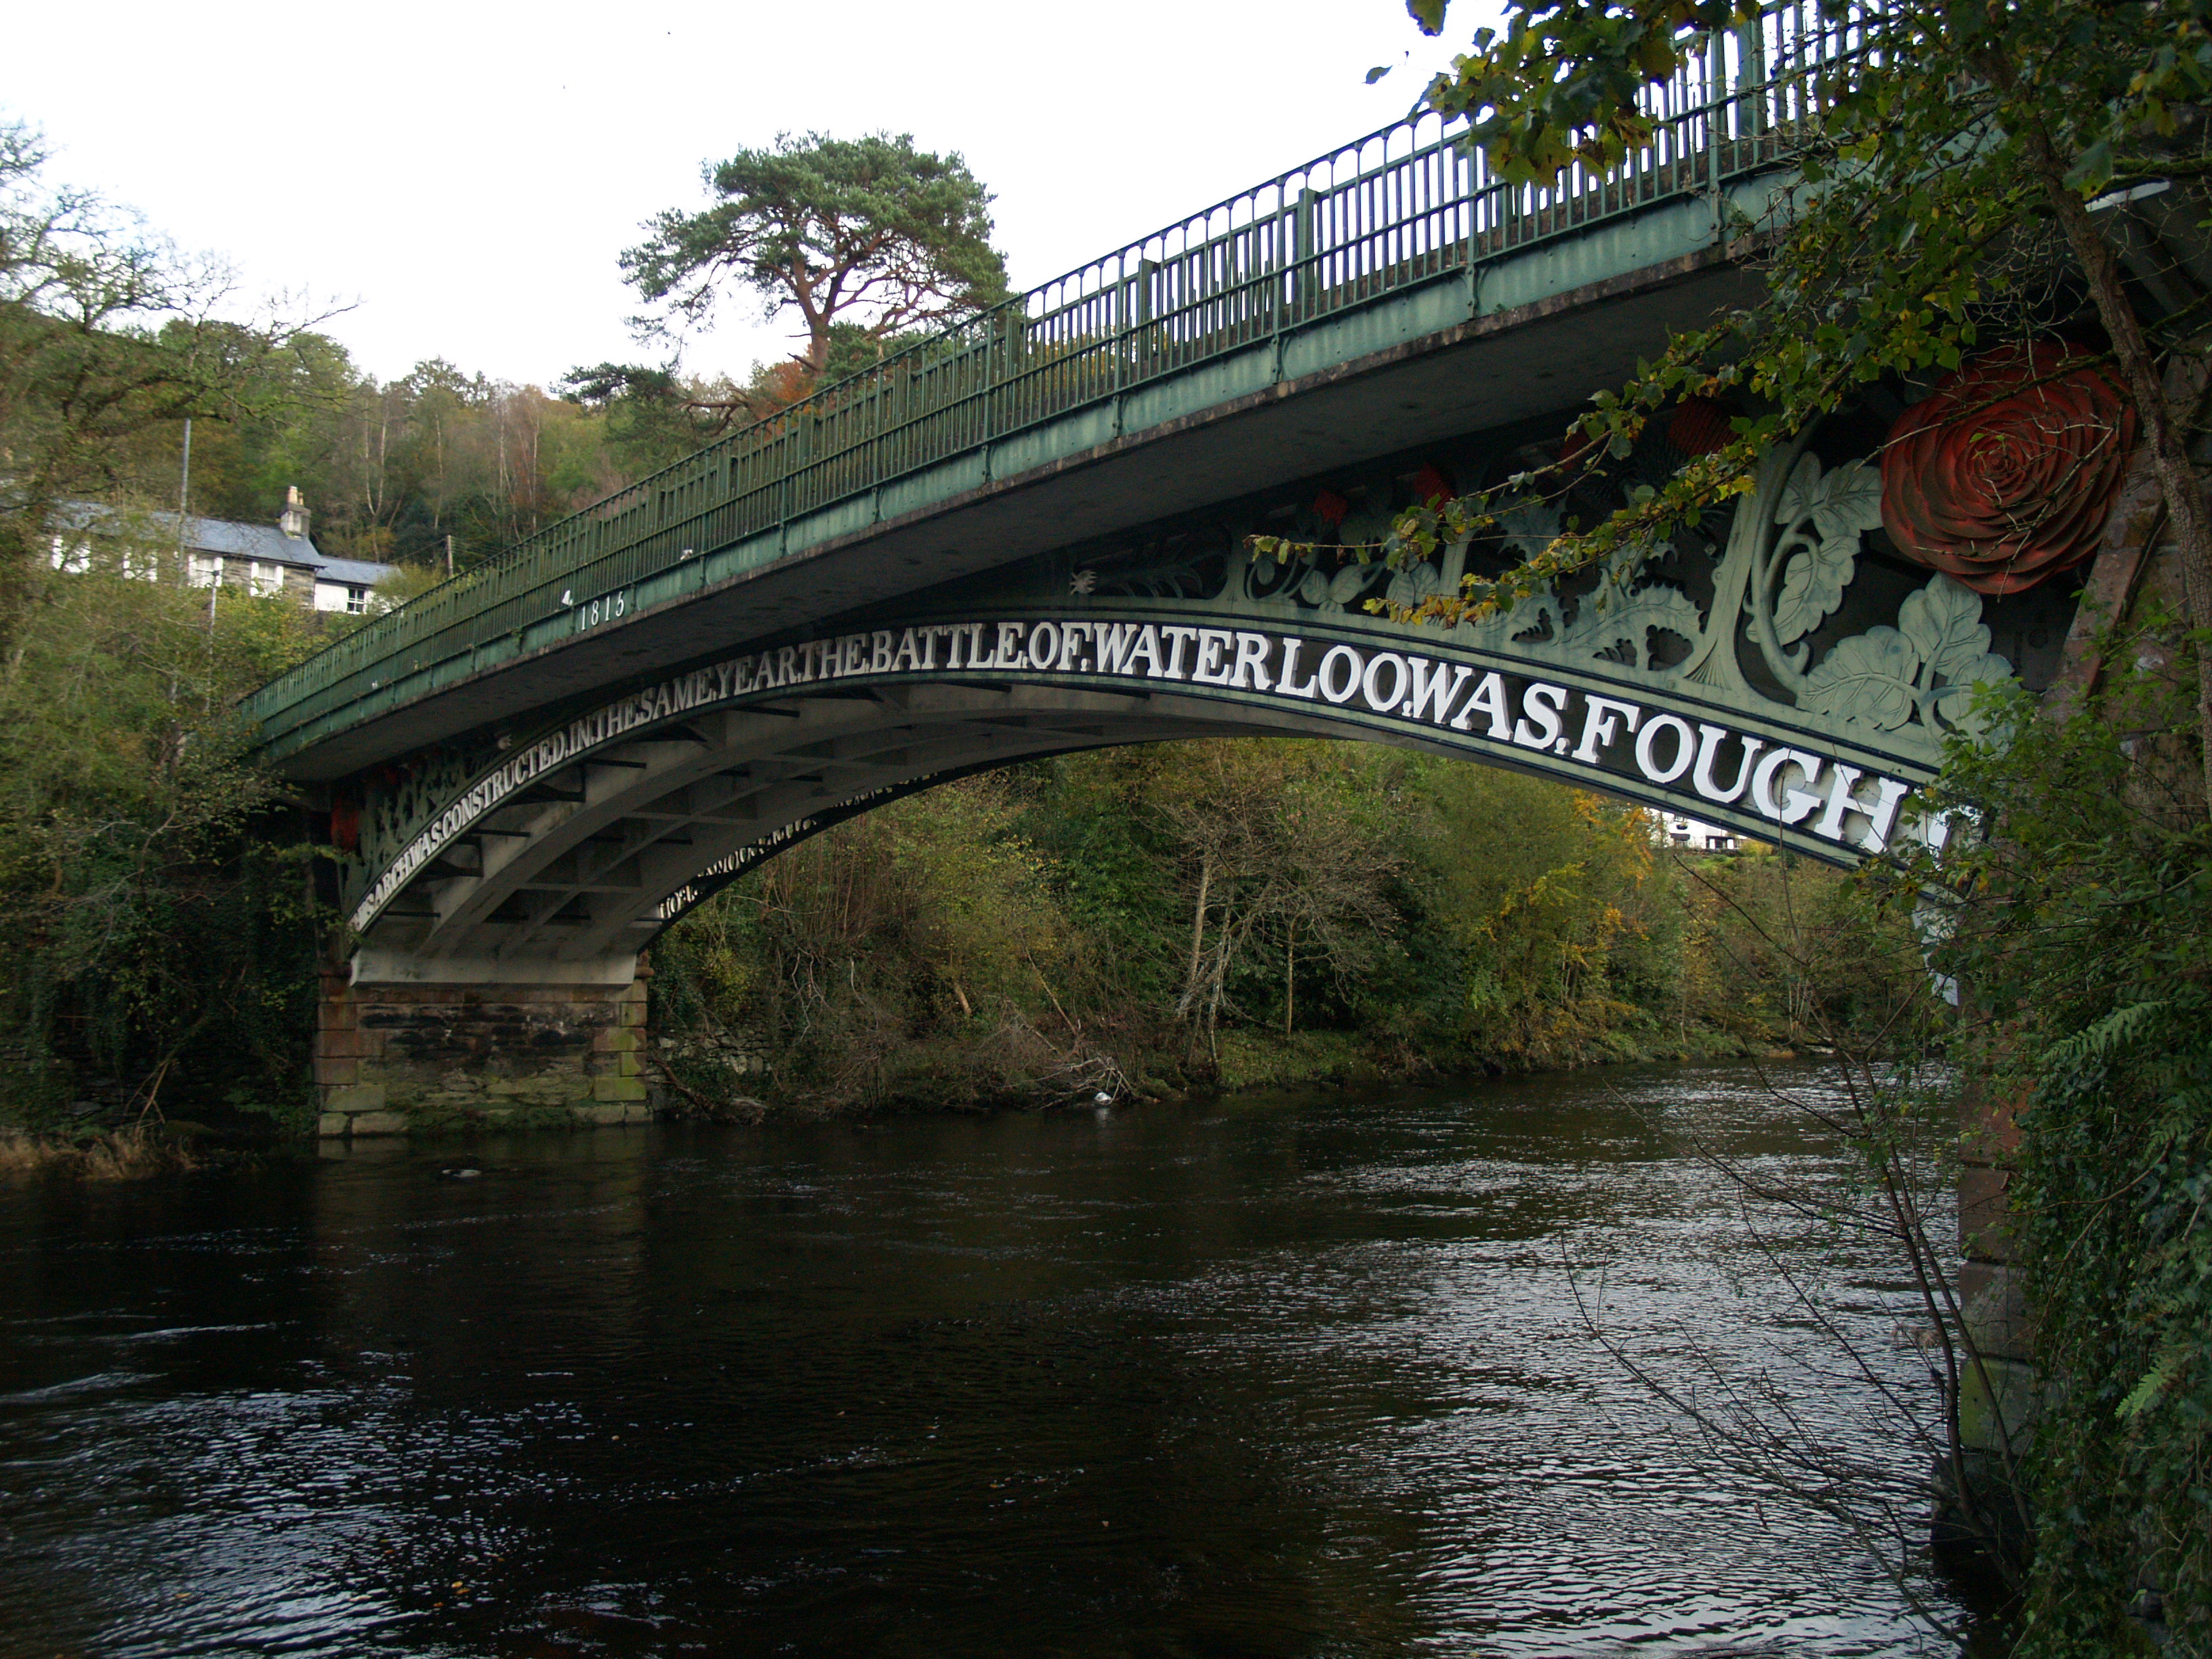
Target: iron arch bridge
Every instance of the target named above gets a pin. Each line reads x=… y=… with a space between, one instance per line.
x=1785 y=676
x=1031 y=535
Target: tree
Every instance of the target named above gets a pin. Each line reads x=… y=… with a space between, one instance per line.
x=105 y=334
x=868 y=238
x=1957 y=159
x=1287 y=849
x=656 y=417
x=153 y=908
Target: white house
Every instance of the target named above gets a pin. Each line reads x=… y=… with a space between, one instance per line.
x=1672 y=829
x=261 y=559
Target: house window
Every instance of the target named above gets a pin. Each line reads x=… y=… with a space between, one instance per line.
x=267 y=579
x=205 y=569
x=342 y=595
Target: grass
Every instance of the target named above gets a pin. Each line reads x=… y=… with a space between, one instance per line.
x=133 y=1154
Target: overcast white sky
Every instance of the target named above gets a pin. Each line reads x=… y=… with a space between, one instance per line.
x=464 y=173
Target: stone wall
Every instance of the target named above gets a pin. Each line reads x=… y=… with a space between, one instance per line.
x=1998 y=1401
x=390 y=1059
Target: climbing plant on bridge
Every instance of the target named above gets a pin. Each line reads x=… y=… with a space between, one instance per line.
x=2000 y=206
x=2082 y=927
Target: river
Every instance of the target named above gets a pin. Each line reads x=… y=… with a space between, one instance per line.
x=1283 y=1374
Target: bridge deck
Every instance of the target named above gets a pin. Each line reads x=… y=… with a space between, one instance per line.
x=1387 y=293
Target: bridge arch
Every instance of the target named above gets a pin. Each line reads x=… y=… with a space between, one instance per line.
x=574 y=845
x=1783 y=673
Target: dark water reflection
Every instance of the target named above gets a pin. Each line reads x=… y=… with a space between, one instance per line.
x=1297 y=1376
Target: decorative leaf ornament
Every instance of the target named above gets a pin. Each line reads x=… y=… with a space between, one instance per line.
x=1823 y=517
x=1931 y=660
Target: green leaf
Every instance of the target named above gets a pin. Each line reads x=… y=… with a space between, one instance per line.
x=1377 y=73
x=2094 y=171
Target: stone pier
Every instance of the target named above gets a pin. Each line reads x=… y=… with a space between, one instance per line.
x=1991 y=1298
x=444 y=1045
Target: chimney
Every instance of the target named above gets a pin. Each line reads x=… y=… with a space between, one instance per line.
x=293 y=520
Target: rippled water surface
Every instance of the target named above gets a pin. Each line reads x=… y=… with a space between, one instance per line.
x=1281 y=1375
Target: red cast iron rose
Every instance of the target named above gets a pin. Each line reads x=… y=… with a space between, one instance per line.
x=1700 y=426
x=2005 y=475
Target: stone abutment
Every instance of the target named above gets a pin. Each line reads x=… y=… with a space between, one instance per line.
x=391 y=1057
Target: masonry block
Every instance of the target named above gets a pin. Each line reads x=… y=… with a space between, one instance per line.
x=1993 y=1301
x=378 y=1123
x=332 y=1123
x=1985 y=1214
x=1998 y=1402
x=427 y=1055
x=1989 y=1122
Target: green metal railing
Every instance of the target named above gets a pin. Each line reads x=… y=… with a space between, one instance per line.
x=1400 y=207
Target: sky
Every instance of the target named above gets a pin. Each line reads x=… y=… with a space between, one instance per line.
x=462 y=176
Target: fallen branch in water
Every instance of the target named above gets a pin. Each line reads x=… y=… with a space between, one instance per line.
x=741 y=1109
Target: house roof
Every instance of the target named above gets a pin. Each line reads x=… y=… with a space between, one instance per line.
x=358 y=572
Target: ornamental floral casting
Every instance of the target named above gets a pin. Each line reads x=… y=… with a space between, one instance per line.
x=1791 y=553
x=2003 y=475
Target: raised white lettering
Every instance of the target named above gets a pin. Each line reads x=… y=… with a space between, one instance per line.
x=1541 y=706
x=1489 y=698
x=1336 y=688
x=1435 y=685
x=1212 y=667
x=1647 y=747
x=1597 y=725
x=1795 y=803
x=1710 y=738
x=1251 y=663
x=1382 y=702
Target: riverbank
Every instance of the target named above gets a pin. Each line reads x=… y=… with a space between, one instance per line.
x=1242 y=1061
x=132 y=1154
x=1234 y=914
